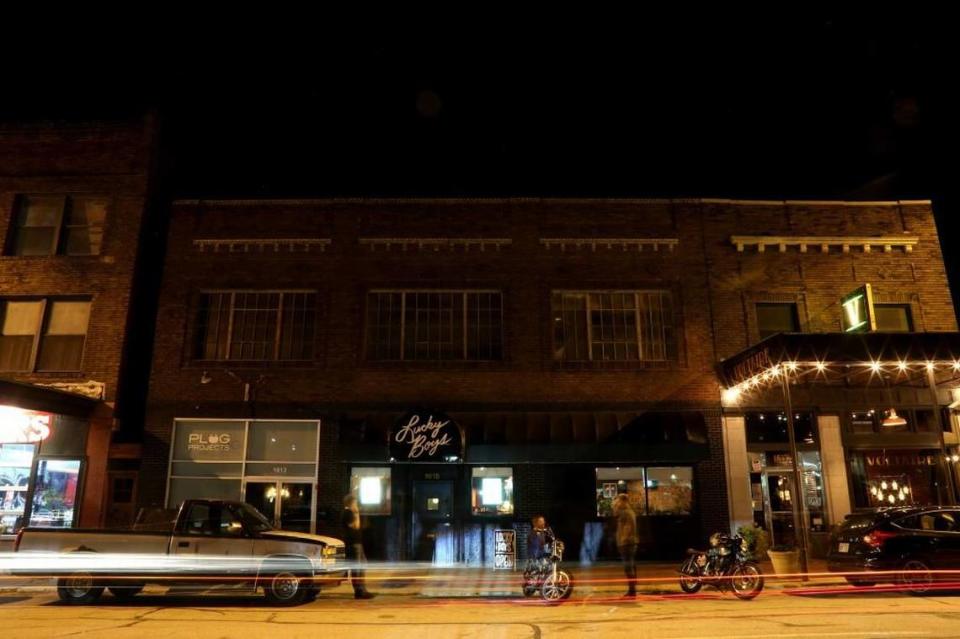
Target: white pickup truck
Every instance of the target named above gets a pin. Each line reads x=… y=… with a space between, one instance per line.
x=209 y=541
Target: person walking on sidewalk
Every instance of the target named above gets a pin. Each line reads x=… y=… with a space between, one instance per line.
x=353 y=539
x=627 y=539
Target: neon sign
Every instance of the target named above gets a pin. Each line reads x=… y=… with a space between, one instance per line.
x=858 y=311
x=20 y=426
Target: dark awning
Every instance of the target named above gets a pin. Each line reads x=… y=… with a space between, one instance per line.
x=839 y=349
x=46 y=400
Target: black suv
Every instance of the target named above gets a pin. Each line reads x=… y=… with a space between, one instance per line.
x=909 y=546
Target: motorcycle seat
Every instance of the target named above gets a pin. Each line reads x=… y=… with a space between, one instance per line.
x=694 y=551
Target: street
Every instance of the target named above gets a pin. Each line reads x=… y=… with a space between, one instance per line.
x=660 y=611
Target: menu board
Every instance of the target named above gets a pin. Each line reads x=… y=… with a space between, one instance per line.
x=505 y=549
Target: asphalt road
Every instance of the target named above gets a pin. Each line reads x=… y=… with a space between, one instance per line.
x=776 y=613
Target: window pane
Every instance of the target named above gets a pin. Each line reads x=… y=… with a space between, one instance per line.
x=208 y=441
x=206 y=488
x=775 y=318
x=893 y=318
x=84 y=225
x=615 y=481
x=61 y=347
x=254 y=331
x=372 y=489
x=282 y=441
x=37 y=223
x=68 y=318
x=670 y=490
x=492 y=491
x=213 y=326
x=55 y=493
x=18 y=325
x=15 y=463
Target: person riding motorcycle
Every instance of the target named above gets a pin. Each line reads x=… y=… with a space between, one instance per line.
x=540 y=537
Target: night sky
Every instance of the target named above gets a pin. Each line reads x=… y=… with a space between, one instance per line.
x=822 y=105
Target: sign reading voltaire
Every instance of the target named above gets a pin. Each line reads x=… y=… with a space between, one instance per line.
x=426 y=436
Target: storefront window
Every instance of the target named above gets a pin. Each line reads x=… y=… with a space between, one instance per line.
x=491 y=491
x=771 y=428
x=614 y=481
x=282 y=441
x=15 y=463
x=372 y=489
x=897 y=478
x=55 y=493
x=670 y=490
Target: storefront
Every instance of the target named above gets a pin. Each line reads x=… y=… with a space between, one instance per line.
x=271 y=464
x=870 y=428
x=53 y=450
x=435 y=486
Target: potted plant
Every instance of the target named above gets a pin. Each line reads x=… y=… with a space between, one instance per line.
x=786 y=559
x=758 y=541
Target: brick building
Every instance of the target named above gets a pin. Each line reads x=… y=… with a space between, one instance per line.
x=72 y=204
x=463 y=364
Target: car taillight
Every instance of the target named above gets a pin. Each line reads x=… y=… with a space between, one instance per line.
x=876 y=538
x=16 y=542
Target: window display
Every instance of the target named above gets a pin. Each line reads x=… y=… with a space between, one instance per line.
x=613 y=481
x=670 y=490
x=372 y=488
x=897 y=477
x=55 y=493
x=492 y=491
x=15 y=463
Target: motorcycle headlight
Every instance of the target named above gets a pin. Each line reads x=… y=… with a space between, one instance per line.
x=715 y=539
x=724 y=551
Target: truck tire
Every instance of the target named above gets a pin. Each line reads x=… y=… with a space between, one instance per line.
x=78 y=588
x=286 y=588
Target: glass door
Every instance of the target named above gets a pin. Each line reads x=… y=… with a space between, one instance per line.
x=287 y=504
x=779 y=504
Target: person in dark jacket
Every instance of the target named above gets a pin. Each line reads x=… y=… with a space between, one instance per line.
x=539 y=537
x=353 y=539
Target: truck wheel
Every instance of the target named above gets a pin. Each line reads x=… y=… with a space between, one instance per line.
x=126 y=593
x=285 y=589
x=78 y=588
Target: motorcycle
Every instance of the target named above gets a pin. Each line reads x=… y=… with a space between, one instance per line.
x=727 y=565
x=545 y=576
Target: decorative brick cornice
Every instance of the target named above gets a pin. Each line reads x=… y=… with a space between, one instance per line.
x=884 y=242
x=435 y=243
x=276 y=245
x=90 y=388
x=611 y=243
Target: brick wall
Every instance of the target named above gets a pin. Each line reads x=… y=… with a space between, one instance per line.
x=714 y=288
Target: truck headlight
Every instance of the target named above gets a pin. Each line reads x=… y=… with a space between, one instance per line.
x=329 y=551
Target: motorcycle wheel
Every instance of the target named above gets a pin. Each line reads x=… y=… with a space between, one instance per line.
x=690 y=580
x=555 y=590
x=746 y=581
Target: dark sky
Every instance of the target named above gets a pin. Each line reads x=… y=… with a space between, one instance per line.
x=855 y=104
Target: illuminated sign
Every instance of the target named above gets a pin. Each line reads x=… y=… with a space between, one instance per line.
x=504 y=549
x=20 y=426
x=425 y=436
x=207 y=442
x=858 y=311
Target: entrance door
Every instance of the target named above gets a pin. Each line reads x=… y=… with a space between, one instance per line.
x=288 y=504
x=434 y=535
x=779 y=503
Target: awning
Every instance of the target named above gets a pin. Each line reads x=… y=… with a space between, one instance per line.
x=47 y=400
x=830 y=351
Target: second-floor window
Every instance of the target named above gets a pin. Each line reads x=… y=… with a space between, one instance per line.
x=434 y=325
x=893 y=318
x=777 y=317
x=256 y=325
x=58 y=225
x=617 y=326
x=42 y=334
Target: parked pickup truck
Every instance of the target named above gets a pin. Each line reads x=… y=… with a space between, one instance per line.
x=205 y=541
